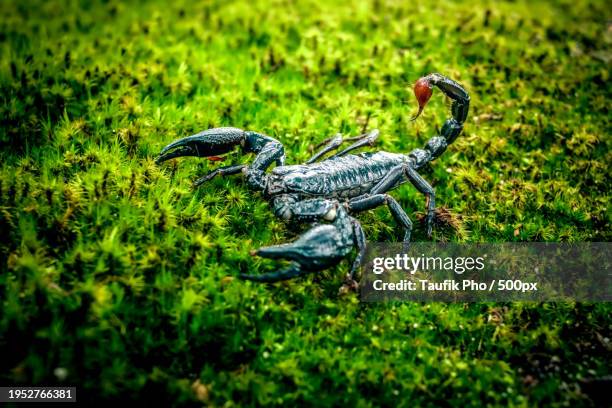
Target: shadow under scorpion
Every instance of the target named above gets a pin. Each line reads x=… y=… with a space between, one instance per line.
x=327 y=193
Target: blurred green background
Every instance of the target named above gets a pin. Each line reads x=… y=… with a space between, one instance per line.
x=117 y=277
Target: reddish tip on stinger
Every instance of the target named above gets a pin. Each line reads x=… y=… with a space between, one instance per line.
x=422 y=91
x=215 y=158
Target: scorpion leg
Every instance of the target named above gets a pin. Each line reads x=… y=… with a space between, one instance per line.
x=221 y=171
x=425 y=188
x=367 y=139
x=334 y=142
x=372 y=201
x=350 y=284
x=396 y=175
x=330 y=144
x=360 y=241
x=389 y=181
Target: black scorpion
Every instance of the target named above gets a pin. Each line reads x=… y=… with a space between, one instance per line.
x=327 y=193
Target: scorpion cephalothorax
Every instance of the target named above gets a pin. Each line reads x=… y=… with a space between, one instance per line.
x=330 y=191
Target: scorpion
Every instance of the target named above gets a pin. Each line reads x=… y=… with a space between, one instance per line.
x=328 y=193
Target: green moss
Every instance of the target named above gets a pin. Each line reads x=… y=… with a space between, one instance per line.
x=116 y=270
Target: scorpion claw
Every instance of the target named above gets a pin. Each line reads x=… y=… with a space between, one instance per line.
x=319 y=248
x=209 y=143
x=316 y=249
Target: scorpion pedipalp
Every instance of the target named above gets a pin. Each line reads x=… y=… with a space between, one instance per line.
x=217 y=141
x=321 y=247
x=209 y=143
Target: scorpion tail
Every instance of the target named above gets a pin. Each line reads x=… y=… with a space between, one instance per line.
x=423 y=90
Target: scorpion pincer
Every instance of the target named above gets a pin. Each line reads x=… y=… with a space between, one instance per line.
x=328 y=193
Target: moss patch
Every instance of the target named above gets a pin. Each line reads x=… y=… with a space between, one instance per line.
x=115 y=275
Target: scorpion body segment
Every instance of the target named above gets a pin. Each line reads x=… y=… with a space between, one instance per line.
x=339 y=177
x=329 y=192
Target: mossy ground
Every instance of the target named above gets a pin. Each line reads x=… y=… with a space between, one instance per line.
x=116 y=276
